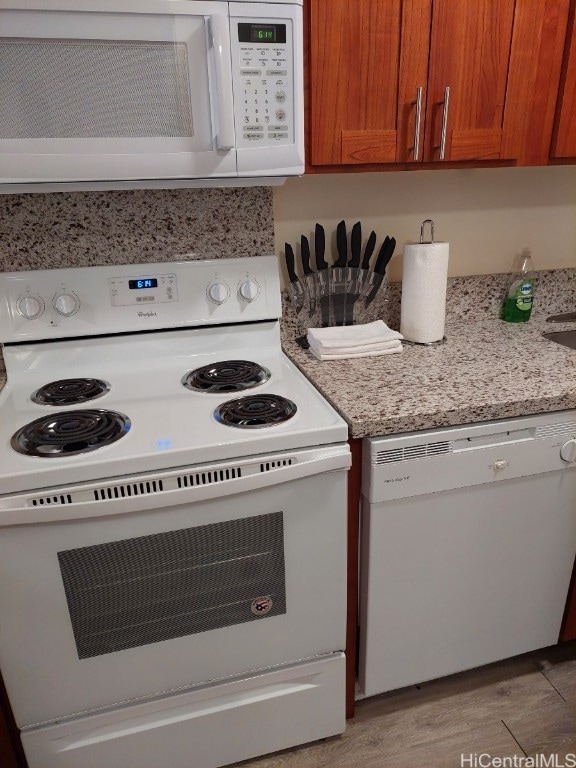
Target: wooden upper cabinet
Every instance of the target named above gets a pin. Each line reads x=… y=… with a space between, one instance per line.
x=564 y=141
x=469 y=56
x=354 y=60
x=426 y=81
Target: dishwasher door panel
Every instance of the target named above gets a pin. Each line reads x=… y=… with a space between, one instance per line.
x=461 y=578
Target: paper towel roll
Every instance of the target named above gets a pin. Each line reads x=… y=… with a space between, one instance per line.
x=424 y=279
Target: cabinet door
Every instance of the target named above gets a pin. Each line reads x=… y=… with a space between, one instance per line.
x=469 y=56
x=357 y=78
x=564 y=142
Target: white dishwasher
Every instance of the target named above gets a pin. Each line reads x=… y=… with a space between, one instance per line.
x=467 y=546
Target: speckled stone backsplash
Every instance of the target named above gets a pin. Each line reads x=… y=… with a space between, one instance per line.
x=84 y=229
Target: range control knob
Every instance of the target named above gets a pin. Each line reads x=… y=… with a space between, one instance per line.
x=30 y=307
x=568 y=451
x=66 y=304
x=218 y=293
x=249 y=290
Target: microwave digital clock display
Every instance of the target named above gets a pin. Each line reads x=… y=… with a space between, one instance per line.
x=262 y=33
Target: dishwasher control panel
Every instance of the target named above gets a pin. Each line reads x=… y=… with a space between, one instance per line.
x=397 y=467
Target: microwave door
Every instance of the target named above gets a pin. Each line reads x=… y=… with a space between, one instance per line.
x=116 y=96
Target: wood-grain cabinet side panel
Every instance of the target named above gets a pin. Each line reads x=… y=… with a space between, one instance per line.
x=564 y=138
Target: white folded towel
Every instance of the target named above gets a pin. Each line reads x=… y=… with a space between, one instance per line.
x=375 y=346
x=349 y=335
x=375 y=353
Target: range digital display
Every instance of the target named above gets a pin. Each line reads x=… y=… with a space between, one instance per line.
x=262 y=33
x=142 y=282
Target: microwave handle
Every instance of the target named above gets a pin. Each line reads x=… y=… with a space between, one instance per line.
x=224 y=94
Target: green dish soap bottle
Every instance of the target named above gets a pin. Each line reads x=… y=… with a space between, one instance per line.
x=517 y=306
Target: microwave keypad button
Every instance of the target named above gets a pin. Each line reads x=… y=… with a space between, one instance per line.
x=281 y=96
x=280 y=114
x=276 y=127
x=250 y=72
x=276 y=73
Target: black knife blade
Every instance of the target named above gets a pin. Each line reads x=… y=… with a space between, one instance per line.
x=355 y=245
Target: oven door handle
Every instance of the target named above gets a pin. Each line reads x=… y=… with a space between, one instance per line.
x=186 y=485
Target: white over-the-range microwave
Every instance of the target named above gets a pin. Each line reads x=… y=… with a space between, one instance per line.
x=112 y=94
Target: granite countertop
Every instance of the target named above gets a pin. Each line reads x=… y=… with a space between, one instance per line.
x=486 y=369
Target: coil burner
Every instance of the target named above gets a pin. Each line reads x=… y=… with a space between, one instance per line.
x=255 y=411
x=70 y=391
x=69 y=433
x=226 y=376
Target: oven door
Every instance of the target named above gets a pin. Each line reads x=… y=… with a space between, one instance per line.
x=119 y=90
x=169 y=581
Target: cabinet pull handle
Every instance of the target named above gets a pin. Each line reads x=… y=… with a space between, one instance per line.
x=446 y=103
x=418 y=103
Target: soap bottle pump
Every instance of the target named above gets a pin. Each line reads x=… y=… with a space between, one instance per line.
x=517 y=306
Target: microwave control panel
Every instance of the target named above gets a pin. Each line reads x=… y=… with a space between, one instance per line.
x=263 y=53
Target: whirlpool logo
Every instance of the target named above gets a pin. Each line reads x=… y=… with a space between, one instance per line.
x=146 y=314
x=397 y=479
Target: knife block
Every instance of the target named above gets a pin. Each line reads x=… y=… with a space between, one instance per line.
x=340 y=299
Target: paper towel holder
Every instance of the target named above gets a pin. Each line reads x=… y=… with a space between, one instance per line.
x=443 y=339
x=431 y=222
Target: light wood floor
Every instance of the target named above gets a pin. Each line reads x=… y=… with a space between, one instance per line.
x=522 y=706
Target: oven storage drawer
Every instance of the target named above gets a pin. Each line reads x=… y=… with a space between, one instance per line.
x=210 y=727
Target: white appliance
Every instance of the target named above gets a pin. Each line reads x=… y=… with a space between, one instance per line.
x=468 y=544
x=109 y=94
x=172 y=520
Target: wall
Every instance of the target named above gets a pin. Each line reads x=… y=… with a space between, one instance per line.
x=488 y=215
x=93 y=228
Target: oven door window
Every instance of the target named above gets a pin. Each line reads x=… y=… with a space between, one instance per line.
x=130 y=593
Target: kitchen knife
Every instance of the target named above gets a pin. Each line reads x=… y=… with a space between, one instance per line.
x=382 y=262
x=322 y=275
x=310 y=282
x=369 y=250
x=296 y=289
x=339 y=276
x=353 y=277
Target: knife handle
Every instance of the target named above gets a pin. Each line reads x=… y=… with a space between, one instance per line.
x=341 y=244
x=290 y=262
x=369 y=250
x=355 y=245
x=305 y=255
x=320 y=246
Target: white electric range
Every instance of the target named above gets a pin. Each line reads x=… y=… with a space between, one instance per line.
x=172 y=519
